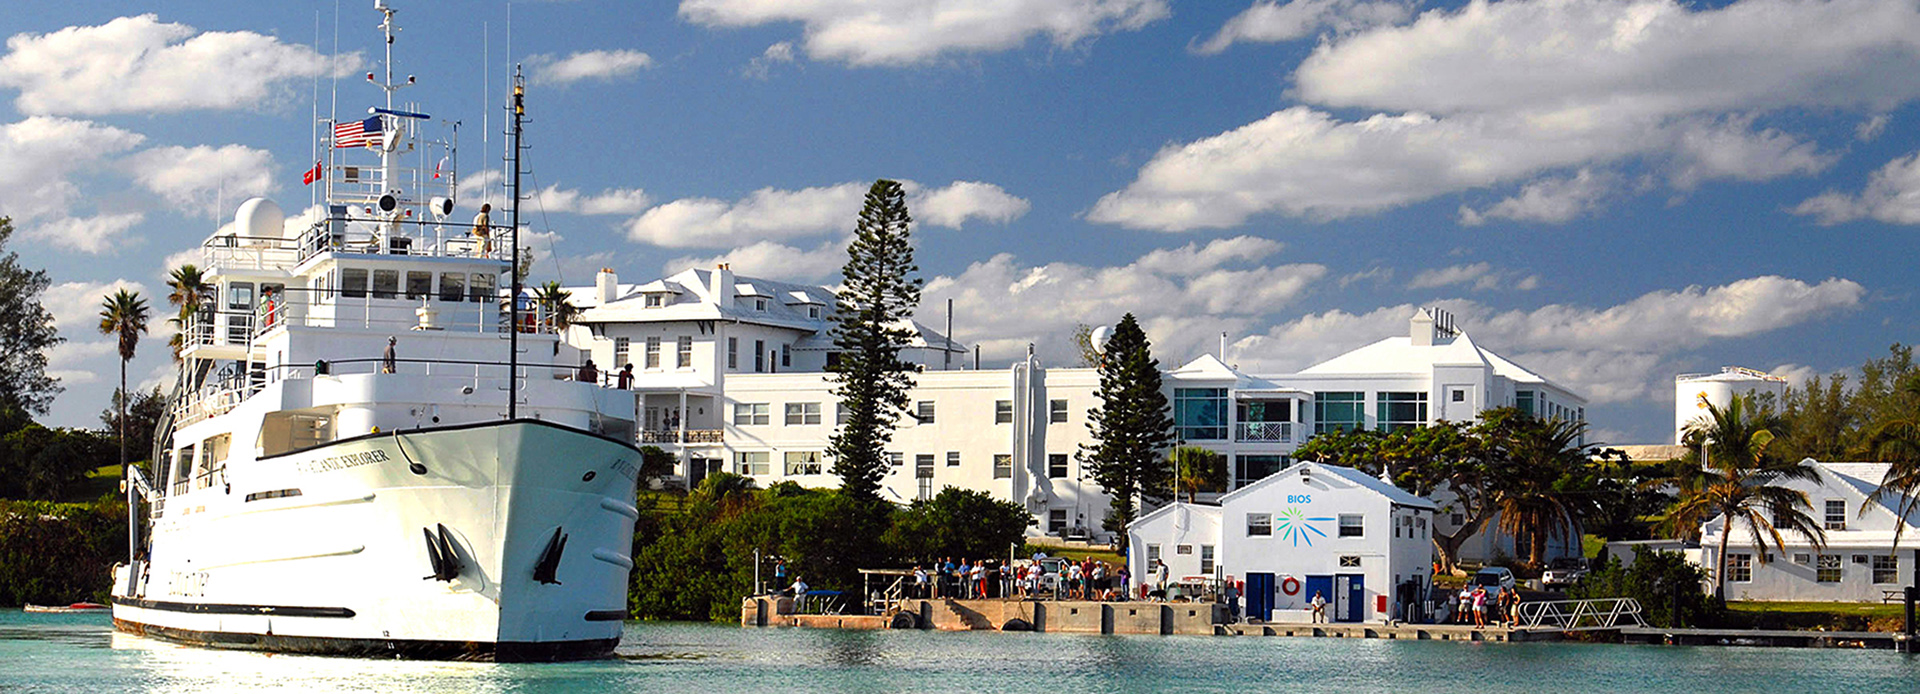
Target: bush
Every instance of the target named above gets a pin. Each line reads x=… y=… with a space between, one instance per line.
x=59 y=553
x=1665 y=583
x=957 y=523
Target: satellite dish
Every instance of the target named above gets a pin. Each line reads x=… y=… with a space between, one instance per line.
x=1100 y=337
x=259 y=220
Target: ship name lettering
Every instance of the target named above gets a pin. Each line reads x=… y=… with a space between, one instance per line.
x=623 y=467
x=344 y=461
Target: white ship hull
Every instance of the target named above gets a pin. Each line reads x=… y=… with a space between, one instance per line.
x=344 y=565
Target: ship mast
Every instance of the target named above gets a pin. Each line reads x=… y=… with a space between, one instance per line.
x=513 y=303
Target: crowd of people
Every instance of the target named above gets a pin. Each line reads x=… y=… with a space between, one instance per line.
x=1061 y=579
x=1477 y=606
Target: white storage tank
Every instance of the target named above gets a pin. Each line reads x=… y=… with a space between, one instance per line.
x=1691 y=392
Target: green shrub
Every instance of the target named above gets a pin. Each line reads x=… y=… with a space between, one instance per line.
x=55 y=554
x=1665 y=583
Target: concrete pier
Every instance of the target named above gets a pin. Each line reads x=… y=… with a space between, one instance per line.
x=1407 y=632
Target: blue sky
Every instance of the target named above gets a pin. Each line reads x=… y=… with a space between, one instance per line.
x=1608 y=192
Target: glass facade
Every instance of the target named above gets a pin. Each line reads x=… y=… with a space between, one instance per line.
x=1336 y=411
x=1400 y=410
x=1200 y=414
x=1248 y=469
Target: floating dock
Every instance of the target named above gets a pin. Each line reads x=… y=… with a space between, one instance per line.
x=1765 y=637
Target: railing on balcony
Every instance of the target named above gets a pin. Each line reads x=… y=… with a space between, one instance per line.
x=1276 y=432
x=673 y=436
x=359 y=234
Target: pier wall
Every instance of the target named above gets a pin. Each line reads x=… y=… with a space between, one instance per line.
x=1070 y=617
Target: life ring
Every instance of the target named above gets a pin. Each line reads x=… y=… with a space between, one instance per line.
x=1290 y=585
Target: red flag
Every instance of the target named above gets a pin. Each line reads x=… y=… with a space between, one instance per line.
x=311 y=175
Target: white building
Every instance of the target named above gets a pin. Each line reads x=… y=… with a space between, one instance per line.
x=729 y=373
x=1858 y=563
x=1693 y=392
x=1361 y=543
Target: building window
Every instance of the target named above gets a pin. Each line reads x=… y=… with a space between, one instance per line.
x=1802 y=558
x=1401 y=410
x=656 y=300
x=1200 y=414
x=803 y=463
x=1836 y=514
x=1459 y=395
x=1003 y=412
x=1886 y=568
x=1259 y=525
x=841 y=414
x=1248 y=469
x=621 y=347
x=1523 y=401
x=896 y=459
x=1002 y=466
x=752 y=462
x=1828 y=571
x=1739 y=568
x=760 y=305
x=751 y=413
x=923 y=411
x=1349 y=561
x=733 y=353
x=923 y=466
x=1352 y=525
x=953 y=459
x=1338 y=412
x=759 y=356
x=1057 y=411
x=653 y=353
x=803 y=413
x=1206 y=560
x=1153 y=555
x=923 y=488
x=1057 y=520
x=786 y=356
x=813 y=312
x=1056 y=465
x=683 y=349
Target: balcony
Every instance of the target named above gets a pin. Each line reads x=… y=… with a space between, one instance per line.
x=1269 y=432
x=674 y=436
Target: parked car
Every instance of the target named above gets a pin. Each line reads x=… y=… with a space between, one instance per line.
x=1564 y=571
x=1496 y=579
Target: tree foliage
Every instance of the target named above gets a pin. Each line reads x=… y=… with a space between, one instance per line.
x=1130 y=428
x=1666 y=585
x=189 y=293
x=143 y=415
x=1740 y=482
x=872 y=312
x=957 y=523
x=26 y=333
x=1197 y=469
x=55 y=554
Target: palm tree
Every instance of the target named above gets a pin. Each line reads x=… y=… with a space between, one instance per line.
x=1198 y=470
x=190 y=291
x=1896 y=440
x=124 y=316
x=559 y=304
x=1548 y=479
x=1738 y=483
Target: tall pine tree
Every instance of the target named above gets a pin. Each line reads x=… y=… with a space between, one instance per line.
x=1130 y=428
x=870 y=326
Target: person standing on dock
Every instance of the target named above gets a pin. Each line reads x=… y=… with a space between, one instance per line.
x=1480 y=606
x=1509 y=605
x=1160 y=578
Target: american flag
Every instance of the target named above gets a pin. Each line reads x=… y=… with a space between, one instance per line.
x=358 y=133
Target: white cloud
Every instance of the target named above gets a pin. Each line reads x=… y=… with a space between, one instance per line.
x=553 y=198
x=1797 y=375
x=1610 y=354
x=203 y=179
x=1552 y=200
x=140 y=65
x=1476 y=274
x=776 y=54
x=774 y=215
x=1182 y=297
x=773 y=261
x=41 y=154
x=1380 y=275
x=1501 y=92
x=552 y=259
x=1892 y=195
x=897 y=32
x=1871 y=128
x=94 y=234
x=546 y=68
x=1269 y=21
x=76 y=305
x=68 y=361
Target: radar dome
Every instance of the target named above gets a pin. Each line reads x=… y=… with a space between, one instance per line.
x=1100 y=337
x=259 y=218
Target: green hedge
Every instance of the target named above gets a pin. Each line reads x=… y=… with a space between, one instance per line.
x=55 y=554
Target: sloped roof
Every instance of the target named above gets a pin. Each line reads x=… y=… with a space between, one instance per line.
x=1356 y=477
x=1398 y=355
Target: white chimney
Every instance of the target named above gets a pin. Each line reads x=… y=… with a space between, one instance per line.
x=606 y=286
x=1420 y=328
x=722 y=286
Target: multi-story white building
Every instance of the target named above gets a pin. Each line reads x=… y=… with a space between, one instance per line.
x=1858 y=562
x=729 y=373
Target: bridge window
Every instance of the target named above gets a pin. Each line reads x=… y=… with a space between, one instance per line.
x=419 y=285
x=386 y=284
x=353 y=282
x=480 y=287
x=453 y=286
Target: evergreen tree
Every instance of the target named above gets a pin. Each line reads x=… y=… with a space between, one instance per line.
x=871 y=319
x=26 y=332
x=1130 y=427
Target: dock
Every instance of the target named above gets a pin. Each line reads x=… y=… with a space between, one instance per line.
x=1777 y=638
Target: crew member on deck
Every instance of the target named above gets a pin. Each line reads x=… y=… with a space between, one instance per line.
x=588 y=373
x=483 y=228
x=388 y=363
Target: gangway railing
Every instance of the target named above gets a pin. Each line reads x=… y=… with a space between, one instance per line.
x=1598 y=614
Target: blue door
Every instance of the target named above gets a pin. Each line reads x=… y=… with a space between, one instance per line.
x=1260 y=596
x=1323 y=585
x=1353 y=598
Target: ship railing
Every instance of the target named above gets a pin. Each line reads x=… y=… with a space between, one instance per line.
x=219 y=396
x=469 y=306
x=375 y=233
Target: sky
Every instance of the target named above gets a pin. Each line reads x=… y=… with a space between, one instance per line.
x=1607 y=192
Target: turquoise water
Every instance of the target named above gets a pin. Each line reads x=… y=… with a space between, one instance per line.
x=81 y=653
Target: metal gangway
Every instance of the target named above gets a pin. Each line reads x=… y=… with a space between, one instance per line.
x=1599 y=614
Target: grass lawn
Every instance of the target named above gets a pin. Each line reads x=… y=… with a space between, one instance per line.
x=1833 y=616
x=1852 y=609
x=1076 y=554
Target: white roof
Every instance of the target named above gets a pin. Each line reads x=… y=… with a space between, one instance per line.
x=1398 y=355
x=1358 y=478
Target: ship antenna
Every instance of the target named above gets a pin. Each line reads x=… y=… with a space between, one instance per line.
x=513 y=330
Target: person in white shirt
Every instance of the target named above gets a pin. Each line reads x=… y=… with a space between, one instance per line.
x=1319 y=607
x=919 y=582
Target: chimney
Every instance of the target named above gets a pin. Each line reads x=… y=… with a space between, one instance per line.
x=606 y=286
x=1420 y=328
x=721 y=288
